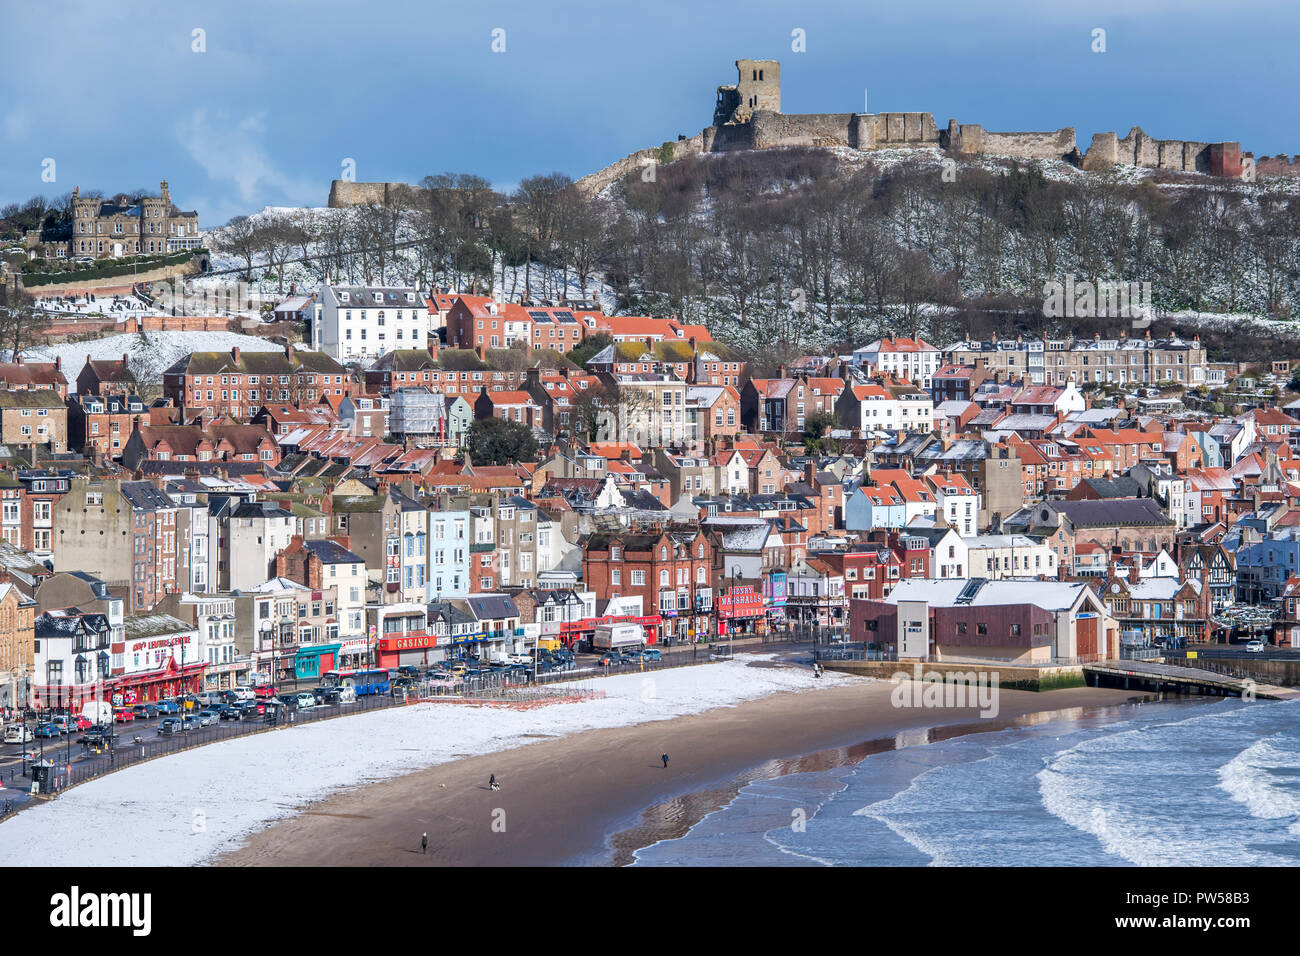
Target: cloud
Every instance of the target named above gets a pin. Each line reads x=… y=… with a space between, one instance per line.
x=230 y=150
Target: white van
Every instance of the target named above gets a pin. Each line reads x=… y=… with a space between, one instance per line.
x=347 y=694
x=17 y=734
x=98 y=711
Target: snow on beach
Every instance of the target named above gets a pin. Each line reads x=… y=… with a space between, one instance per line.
x=193 y=806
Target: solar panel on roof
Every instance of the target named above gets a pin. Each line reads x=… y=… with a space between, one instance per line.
x=539 y=316
x=565 y=315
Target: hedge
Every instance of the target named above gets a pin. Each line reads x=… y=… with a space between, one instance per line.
x=119 y=267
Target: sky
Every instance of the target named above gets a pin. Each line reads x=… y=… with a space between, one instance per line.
x=240 y=105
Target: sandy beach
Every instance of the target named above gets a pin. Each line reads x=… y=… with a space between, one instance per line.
x=593 y=797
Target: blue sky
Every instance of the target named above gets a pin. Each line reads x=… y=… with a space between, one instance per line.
x=289 y=89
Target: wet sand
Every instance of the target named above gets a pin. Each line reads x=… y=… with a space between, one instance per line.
x=594 y=797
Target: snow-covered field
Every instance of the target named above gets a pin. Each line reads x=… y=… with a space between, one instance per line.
x=193 y=806
x=153 y=352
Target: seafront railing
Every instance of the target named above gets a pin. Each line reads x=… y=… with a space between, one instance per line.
x=70 y=765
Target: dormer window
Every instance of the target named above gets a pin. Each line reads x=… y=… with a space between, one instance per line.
x=343 y=297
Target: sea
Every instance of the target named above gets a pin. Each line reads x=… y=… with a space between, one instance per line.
x=1175 y=783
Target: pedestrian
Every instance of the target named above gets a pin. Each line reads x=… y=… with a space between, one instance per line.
x=492 y=783
x=424 y=843
x=664 y=758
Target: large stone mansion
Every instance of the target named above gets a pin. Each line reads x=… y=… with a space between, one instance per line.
x=112 y=228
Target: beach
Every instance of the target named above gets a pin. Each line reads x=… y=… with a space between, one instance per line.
x=593 y=797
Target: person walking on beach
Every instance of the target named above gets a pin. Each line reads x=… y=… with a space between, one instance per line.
x=424 y=843
x=664 y=758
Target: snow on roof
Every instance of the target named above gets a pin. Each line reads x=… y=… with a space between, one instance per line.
x=943 y=592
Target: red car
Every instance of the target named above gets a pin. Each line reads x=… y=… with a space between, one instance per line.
x=82 y=721
x=123 y=715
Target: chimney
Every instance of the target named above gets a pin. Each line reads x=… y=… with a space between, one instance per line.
x=780 y=371
x=126 y=359
x=288 y=351
x=234 y=354
x=481 y=351
x=433 y=347
x=58 y=363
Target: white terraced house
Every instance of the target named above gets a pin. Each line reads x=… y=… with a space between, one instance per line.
x=914 y=359
x=355 y=323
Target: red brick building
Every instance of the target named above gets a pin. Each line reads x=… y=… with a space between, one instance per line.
x=672 y=573
x=237 y=383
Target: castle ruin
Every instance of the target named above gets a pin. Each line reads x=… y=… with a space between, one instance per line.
x=747 y=115
x=345 y=193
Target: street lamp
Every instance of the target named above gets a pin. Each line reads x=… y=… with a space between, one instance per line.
x=731 y=629
x=267 y=628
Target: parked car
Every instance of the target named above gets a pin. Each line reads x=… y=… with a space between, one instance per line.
x=98 y=736
x=1254 y=647
x=123 y=715
x=652 y=654
x=407 y=670
x=306 y=701
x=170 y=725
x=207 y=718
x=145 y=711
x=63 y=722
x=47 y=730
x=227 y=712
x=631 y=657
x=189 y=722
x=610 y=659
x=167 y=707
x=250 y=709
x=17 y=734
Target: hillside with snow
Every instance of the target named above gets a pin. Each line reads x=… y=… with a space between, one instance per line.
x=149 y=354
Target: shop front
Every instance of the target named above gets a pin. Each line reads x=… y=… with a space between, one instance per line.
x=170 y=680
x=413 y=649
x=740 y=612
x=473 y=647
x=313 y=660
x=775 y=589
